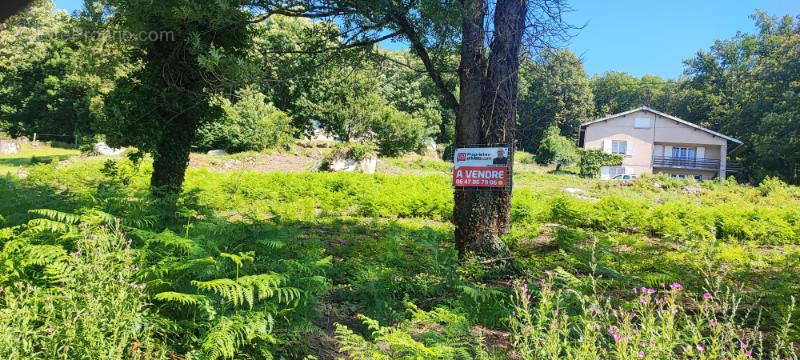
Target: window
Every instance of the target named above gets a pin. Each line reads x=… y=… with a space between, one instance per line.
x=688 y=153
x=698 y=177
x=615 y=171
x=641 y=123
x=619 y=147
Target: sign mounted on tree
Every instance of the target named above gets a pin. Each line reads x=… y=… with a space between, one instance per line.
x=482 y=167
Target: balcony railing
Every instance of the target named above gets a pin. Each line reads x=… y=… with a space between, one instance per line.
x=684 y=163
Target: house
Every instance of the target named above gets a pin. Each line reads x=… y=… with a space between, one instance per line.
x=655 y=142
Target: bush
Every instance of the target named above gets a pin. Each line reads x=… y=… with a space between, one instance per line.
x=556 y=149
x=250 y=124
x=592 y=160
x=397 y=132
x=666 y=324
x=350 y=150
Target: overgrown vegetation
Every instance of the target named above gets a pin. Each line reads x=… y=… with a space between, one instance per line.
x=258 y=264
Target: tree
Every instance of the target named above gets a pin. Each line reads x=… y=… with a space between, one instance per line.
x=486 y=104
x=190 y=51
x=746 y=87
x=55 y=70
x=249 y=124
x=556 y=149
x=557 y=93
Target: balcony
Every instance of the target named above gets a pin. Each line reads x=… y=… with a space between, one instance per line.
x=684 y=163
x=700 y=164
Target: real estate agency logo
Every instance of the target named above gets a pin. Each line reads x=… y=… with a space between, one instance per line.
x=462 y=157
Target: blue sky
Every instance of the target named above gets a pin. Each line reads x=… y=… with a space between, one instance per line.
x=647 y=37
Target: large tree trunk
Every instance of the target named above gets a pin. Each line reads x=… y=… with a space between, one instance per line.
x=487 y=115
x=171 y=157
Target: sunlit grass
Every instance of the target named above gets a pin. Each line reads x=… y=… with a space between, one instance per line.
x=11 y=163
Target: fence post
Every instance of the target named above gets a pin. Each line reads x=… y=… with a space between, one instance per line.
x=34 y=138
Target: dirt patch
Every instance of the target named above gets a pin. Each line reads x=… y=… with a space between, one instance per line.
x=283 y=162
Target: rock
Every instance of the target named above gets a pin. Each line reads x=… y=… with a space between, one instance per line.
x=692 y=190
x=217 y=152
x=102 y=149
x=22 y=173
x=572 y=190
x=9 y=147
x=367 y=166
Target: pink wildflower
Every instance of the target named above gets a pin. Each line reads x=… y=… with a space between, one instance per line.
x=597 y=327
x=713 y=323
x=616 y=337
x=643 y=300
x=700 y=347
x=641 y=354
x=676 y=286
x=706 y=296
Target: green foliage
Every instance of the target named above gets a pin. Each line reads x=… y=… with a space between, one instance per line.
x=556 y=149
x=85 y=304
x=554 y=93
x=249 y=124
x=653 y=324
x=592 y=160
x=438 y=334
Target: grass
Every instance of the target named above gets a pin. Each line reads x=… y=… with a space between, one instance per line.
x=387 y=274
x=11 y=163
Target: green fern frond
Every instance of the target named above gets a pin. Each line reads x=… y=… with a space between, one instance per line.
x=356 y=346
x=231 y=333
x=45 y=225
x=240 y=258
x=226 y=288
x=181 y=298
x=169 y=240
x=62 y=217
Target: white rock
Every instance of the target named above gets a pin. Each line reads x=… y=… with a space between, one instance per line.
x=572 y=190
x=367 y=166
x=9 y=147
x=217 y=152
x=102 y=149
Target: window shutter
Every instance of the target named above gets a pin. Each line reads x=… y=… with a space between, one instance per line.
x=607 y=146
x=629 y=148
x=701 y=152
x=668 y=151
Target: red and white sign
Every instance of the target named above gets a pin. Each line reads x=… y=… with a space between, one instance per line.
x=481 y=167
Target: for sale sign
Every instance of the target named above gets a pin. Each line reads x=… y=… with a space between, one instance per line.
x=481 y=167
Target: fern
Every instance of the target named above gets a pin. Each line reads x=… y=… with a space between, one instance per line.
x=181 y=298
x=231 y=333
x=62 y=217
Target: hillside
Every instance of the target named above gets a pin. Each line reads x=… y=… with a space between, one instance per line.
x=296 y=261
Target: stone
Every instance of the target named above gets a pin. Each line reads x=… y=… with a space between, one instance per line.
x=217 y=152
x=103 y=149
x=367 y=165
x=9 y=147
x=692 y=190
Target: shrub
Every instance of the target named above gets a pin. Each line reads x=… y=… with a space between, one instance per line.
x=397 y=132
x=523 y=157
x=249 y=124
x=592 y=160
x=556 y=149
x=81 y=303
x=665 y=324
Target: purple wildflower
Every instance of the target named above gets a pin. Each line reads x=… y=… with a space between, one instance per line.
x=616 y=337
x=700 y=347
x=707 y=296
x=676 y=286
x=643 y=300
x=713 y=323
x=641 y=354
x=597 y=327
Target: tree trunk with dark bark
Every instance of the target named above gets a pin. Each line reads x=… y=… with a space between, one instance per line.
x=171 y=157
x=487 y=115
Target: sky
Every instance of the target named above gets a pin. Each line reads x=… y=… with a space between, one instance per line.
x=645 y=36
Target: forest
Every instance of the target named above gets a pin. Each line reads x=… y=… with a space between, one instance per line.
x=167 y=251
